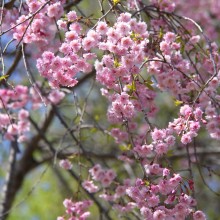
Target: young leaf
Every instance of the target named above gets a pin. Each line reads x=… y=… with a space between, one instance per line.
x=178 y=102
x=3 y=77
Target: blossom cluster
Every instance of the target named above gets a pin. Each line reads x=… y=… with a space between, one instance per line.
x=66 y=164
x=61 y=71
x=121 y=72
x=206 y=18
x=105 y=177
x=76 y=210
x=16 y=101
x=147 y=198
x=30 y=27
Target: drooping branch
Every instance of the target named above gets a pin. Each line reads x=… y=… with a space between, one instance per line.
x=16 y=174
x=11 y=69
x=9 y=189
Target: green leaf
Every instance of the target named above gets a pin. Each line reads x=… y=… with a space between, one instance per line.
x=3 y=77
x=72 y=157
x=133 y=97
x=97 y=117
x=116 y=63
x=170 y=153
x=115 y=2
x=149 y=83
x=147 y=183
x=124 y=147
x=178 y=102
x=161 y=33
x=182 y=43
x=135 y=36
x=182 y=48
x=132 y=87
